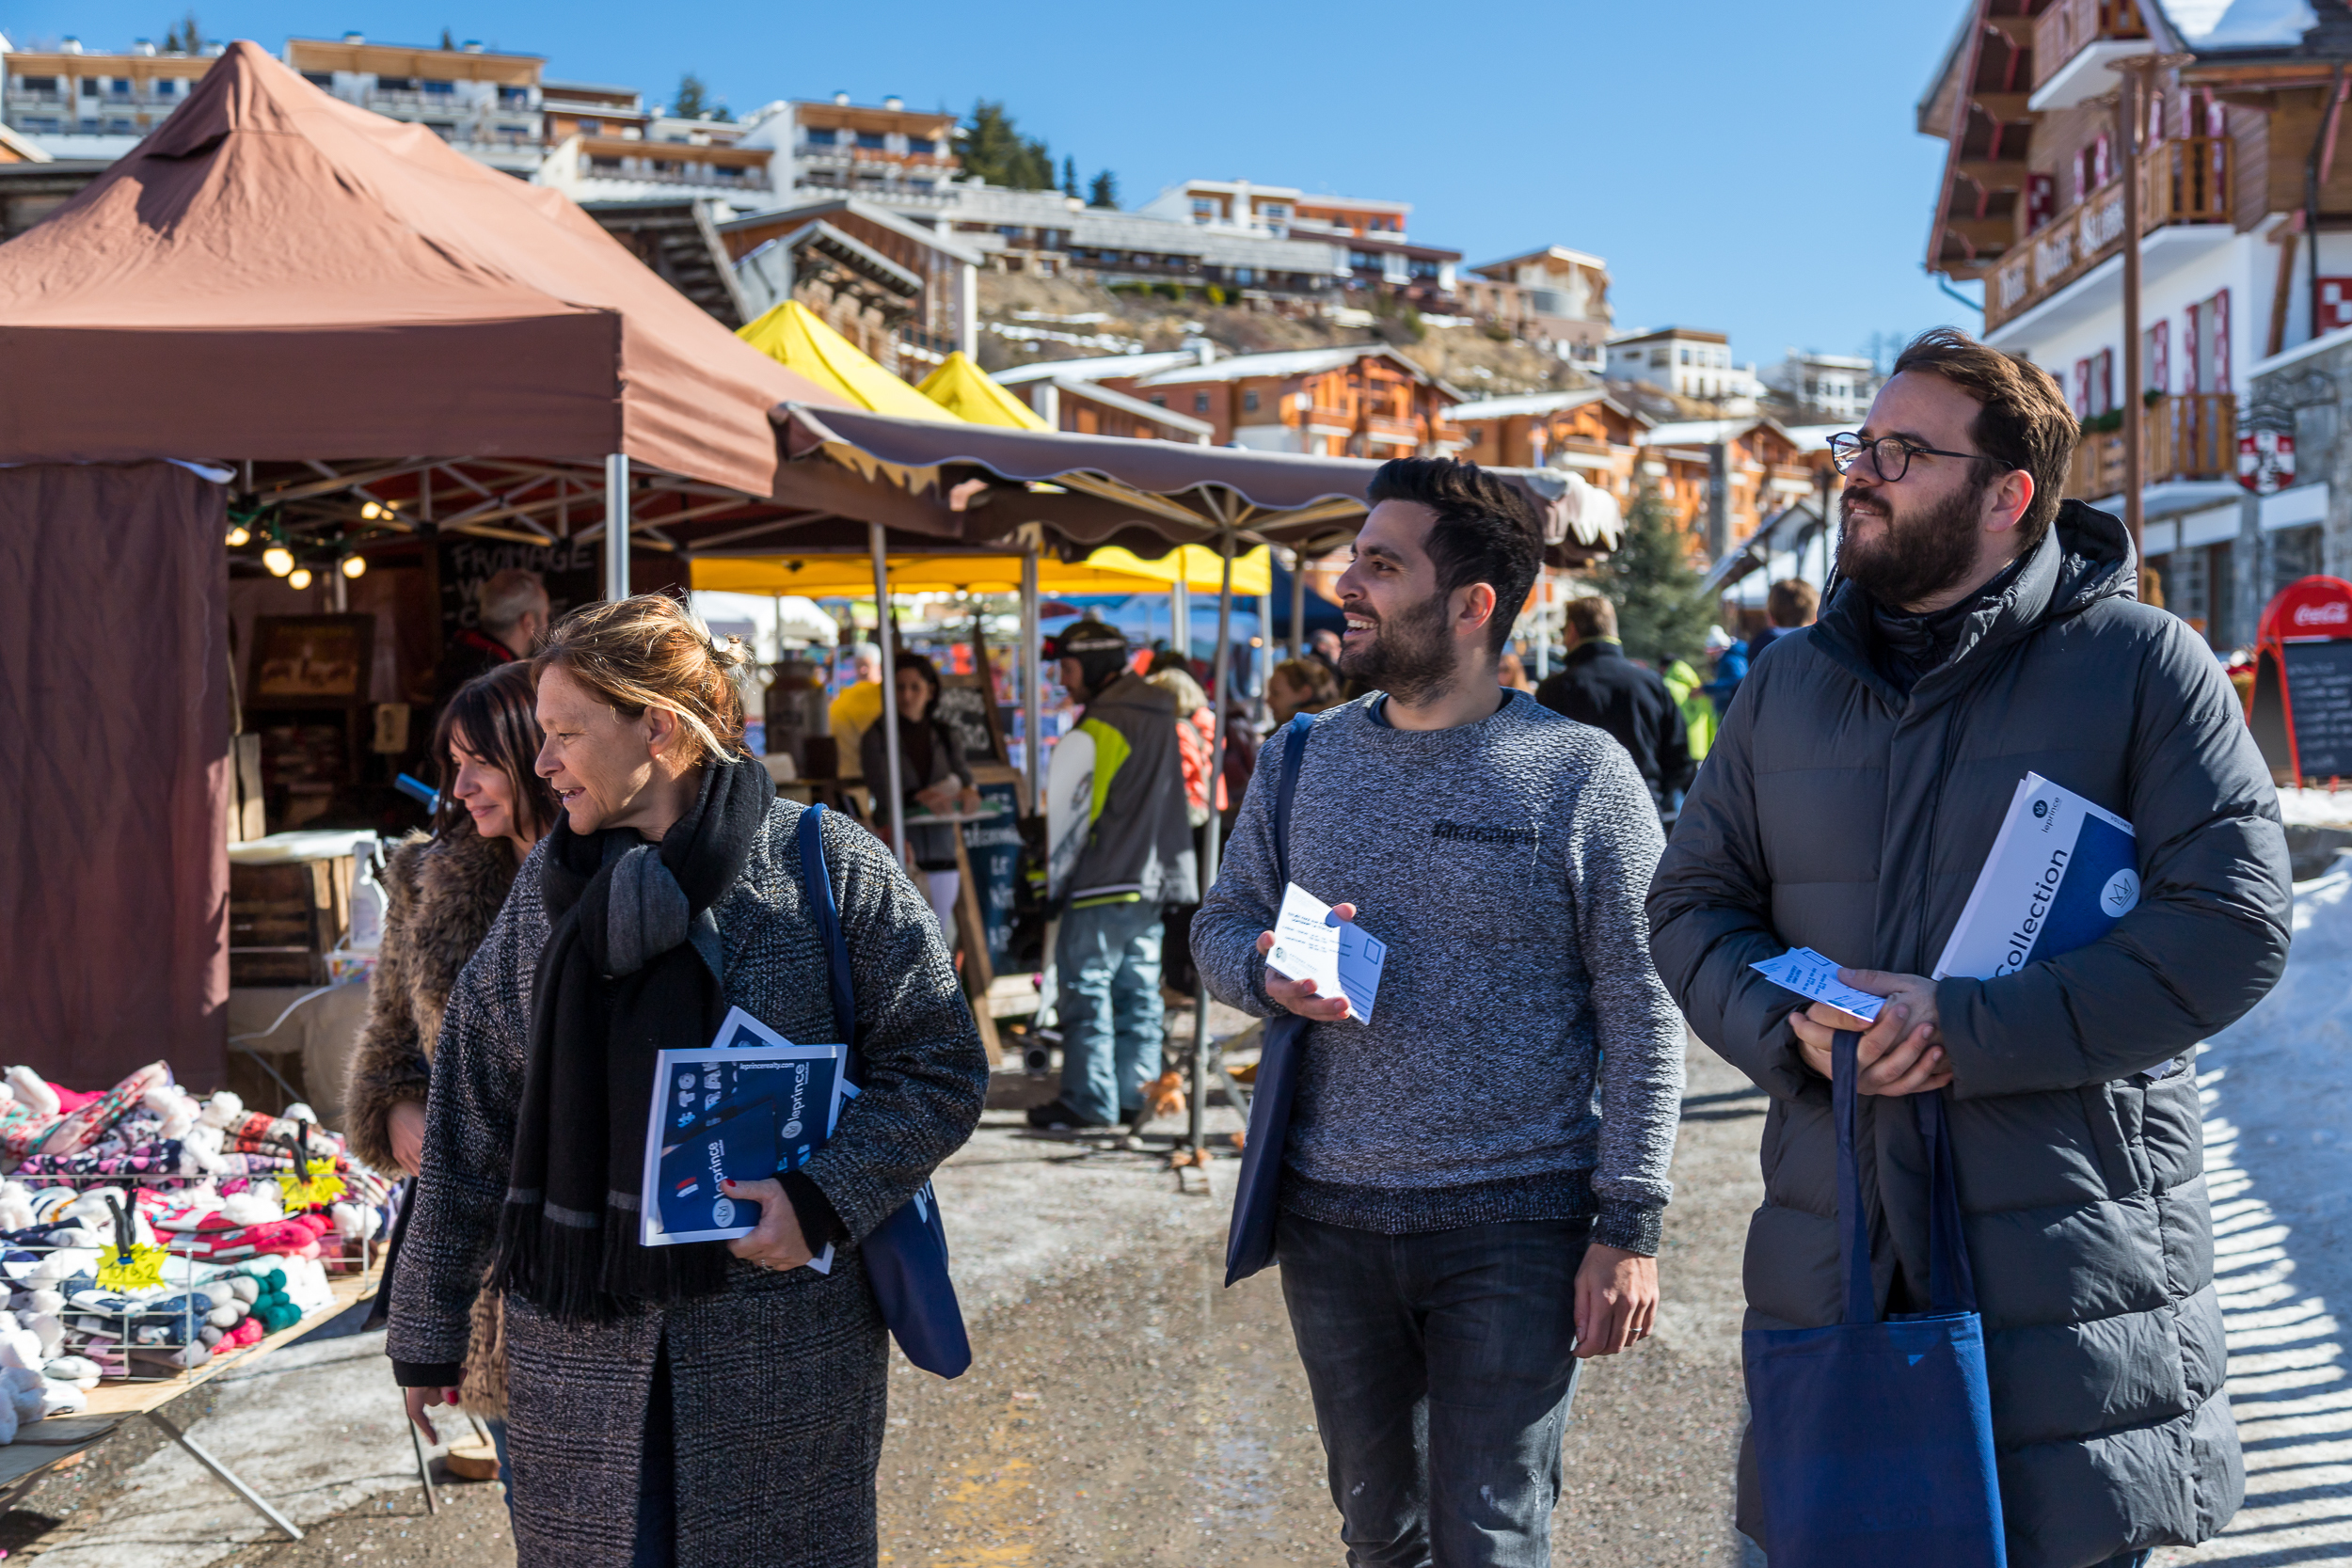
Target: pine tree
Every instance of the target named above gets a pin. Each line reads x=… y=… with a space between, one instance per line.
x=1070 y=178
x=183 y=38
x=1661 y=615
x=1104 y=191
x=447 y=41
x=994 y=150
x=693 y=99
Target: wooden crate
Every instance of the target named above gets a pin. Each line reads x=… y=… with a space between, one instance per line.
x=283 y=919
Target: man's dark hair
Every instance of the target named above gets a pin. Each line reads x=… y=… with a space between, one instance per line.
x=1592 y=616
x=2024 y=423
x=1485 y=532
x=1792 y=602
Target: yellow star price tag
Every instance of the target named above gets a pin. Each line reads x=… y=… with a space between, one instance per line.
x=134 y=1270
x=322 y=1189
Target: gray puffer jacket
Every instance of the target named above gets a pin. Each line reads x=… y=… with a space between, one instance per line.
x=1837 y=814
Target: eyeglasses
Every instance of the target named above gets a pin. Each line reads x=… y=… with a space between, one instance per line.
x=1890 y=455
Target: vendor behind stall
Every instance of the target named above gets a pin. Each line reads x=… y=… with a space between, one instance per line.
x=934 y=777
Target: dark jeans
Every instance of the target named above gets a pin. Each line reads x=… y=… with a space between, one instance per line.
x=1442 y=1374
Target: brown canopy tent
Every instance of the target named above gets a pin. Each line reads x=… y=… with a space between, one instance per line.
x=340 y=310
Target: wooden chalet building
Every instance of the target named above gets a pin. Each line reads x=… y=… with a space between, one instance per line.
x=2246 y=212
x=1363 y=401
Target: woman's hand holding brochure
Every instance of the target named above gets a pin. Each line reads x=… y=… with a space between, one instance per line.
x=776 y=1241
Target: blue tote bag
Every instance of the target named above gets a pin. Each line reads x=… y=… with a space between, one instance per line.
x=1257 y=1197
x=1874 y=1440
x=905 y=1256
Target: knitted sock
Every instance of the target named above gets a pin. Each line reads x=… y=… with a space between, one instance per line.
x=82 y=1126
x=33 y=1092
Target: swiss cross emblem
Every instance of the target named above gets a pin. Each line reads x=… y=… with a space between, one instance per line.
x=2265 y=461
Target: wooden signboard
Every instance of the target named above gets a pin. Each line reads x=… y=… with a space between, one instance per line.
x=311 y=662
x=573 y=572
x=2300 y=706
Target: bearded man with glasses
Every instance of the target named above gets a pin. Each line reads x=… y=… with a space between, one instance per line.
x=1982 y=630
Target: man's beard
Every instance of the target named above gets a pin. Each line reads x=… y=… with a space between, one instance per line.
x=1918 y=554
x=1411 y=658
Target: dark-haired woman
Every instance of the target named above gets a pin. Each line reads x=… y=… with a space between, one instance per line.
x=442 y=893
x=934 y=777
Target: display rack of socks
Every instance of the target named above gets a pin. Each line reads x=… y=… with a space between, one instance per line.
x=144 y=1233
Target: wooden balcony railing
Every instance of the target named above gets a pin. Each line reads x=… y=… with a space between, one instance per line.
x=2066 y=28
x=2189 y=437
x=2183 y=181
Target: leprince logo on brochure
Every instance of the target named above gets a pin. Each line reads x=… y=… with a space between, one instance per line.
x=743 y=1109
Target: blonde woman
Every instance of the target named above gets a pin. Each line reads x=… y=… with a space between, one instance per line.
x=708 y=1404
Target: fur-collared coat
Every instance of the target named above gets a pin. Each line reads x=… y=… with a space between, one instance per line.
x=442 y=895
x=777 y=1385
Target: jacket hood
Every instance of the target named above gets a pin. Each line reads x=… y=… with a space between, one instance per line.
x=2086 y=557
x=2095 y=560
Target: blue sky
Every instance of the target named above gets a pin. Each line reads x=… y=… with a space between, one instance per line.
x=1750 y=167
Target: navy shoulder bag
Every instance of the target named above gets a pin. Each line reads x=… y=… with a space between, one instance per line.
x=1874 y=1440
x=1257 y=1197
x=906 y=1255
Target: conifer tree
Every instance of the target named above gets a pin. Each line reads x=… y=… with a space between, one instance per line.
x=1104 y=191
x=1661 y=615
x=994 y=150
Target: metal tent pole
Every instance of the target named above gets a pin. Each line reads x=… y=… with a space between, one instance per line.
x=1220 y=679
x=1180 y=609
x=883 y=635
x=616 y=525
x=1298 y=604
x=1032 y=671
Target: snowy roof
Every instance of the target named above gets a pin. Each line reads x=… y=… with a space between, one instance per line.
x=1813 y=438
x=2240 y=23
x=1700 y=433
x=1297 y=362
x=1526 y=402
x=1121 y=401
x=1101 y=368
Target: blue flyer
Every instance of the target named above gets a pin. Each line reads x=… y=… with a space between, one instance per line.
x=749 y=1106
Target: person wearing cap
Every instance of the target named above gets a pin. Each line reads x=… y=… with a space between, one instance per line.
x=1731 y=668
x=1134 y=857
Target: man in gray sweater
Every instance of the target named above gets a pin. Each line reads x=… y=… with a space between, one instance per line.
x=1473 y=1178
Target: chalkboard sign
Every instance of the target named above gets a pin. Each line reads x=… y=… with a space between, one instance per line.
x=573 y=572
x=2319 y=696
x=967 y=707
x=993 y=847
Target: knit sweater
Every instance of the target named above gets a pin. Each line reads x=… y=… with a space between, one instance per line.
x=1523 y=1061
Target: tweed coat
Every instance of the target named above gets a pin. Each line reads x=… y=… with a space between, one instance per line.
x=1838 y=812
x=777 y=1384
x=442 y=895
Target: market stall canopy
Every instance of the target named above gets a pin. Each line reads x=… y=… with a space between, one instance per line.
x=968 y=392
x=1086 y=491
x=799 y=338
x=1105 y=571
x=276 y=274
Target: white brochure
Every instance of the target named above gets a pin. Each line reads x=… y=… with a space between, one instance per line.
x=1339 y=956
x=1808 y=974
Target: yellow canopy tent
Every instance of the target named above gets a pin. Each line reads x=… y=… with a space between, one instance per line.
x=964 y=389
x=796 y=337
x=1107 y=571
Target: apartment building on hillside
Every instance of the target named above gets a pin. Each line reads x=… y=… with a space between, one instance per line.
x=1555 y=298
x=1365 y=401
x=1839 y=386
x=486 y=105
x=874 y=153
x=1372 y=250
x=1689 y=362
x=1723 y=479
x=905 y=293
x=79 y=106
x=2238 y=270
x=1584 y=432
